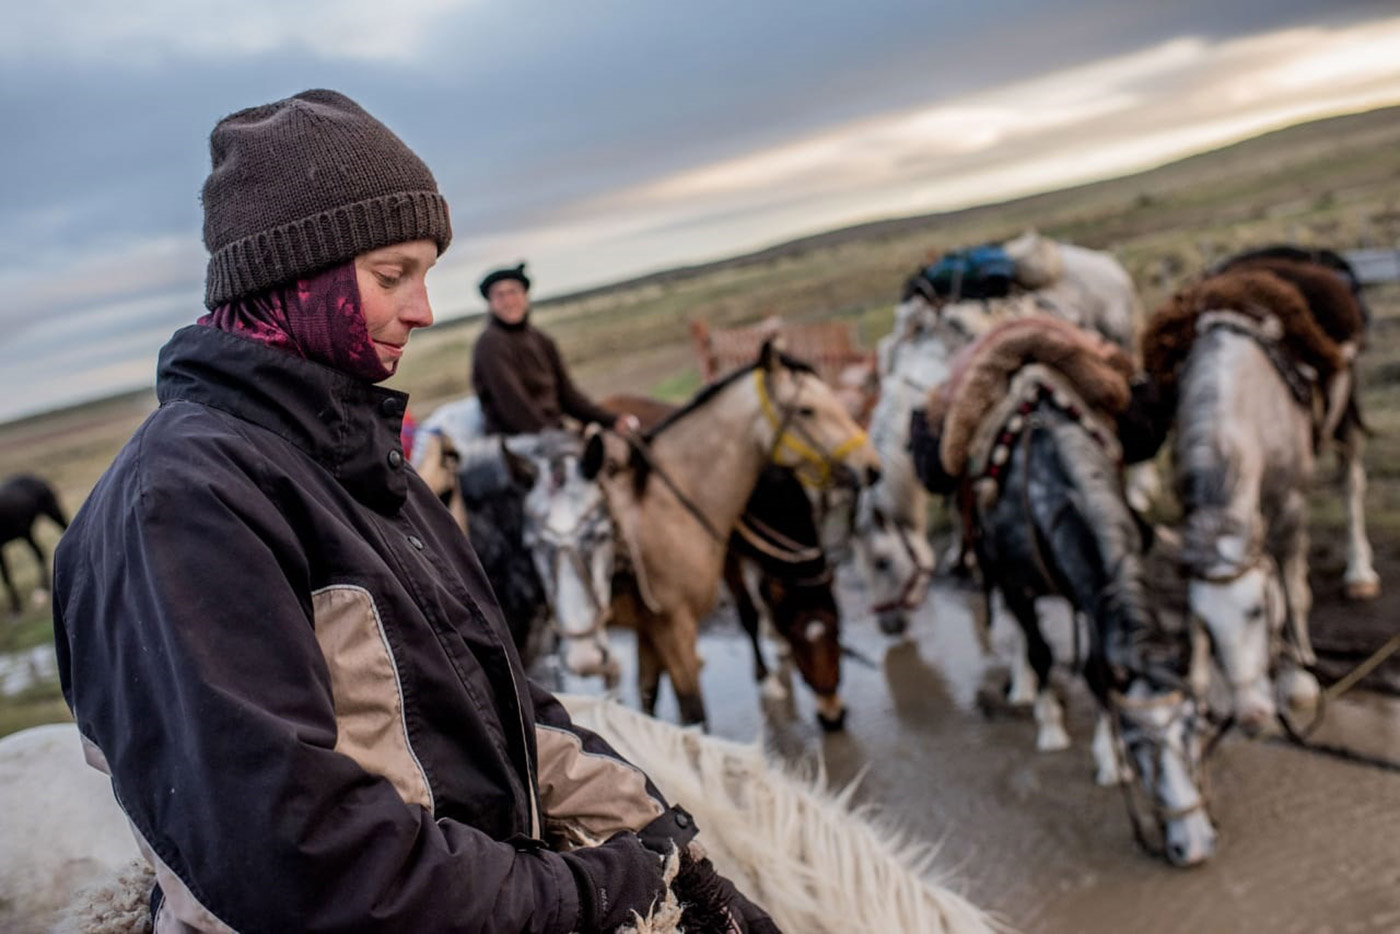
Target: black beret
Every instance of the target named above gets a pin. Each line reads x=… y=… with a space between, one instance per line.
x=500 y=275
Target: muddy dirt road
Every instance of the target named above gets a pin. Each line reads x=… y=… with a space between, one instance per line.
x=1308 y=843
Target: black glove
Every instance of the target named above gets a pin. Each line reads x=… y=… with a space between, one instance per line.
x=614 y=879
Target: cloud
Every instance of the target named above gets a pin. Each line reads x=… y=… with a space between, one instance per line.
x=144 y=32
x=1111 y=117
x=599 y=146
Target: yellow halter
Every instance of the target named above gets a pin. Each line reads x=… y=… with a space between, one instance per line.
x=815 y=465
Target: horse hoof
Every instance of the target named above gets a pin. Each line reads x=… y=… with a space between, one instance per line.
x=1363 y=589
x=773 y=689
x=1052 y=739
x=832 y=724
x=1107 y=778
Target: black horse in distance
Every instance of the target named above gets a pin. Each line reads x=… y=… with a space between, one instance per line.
x=23 y=499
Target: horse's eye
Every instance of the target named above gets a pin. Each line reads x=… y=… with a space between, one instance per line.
x=1255 y=612
x=807 y=411
x=882 y=564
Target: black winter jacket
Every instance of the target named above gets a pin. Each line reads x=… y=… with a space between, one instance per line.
x=285 y=654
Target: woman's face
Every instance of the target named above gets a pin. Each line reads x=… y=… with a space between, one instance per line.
x=394 y=294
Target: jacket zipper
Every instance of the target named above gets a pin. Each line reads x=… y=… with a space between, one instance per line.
x=525 y=749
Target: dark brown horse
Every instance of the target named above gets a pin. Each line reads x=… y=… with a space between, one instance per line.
x=23 y=499
x=778 y=534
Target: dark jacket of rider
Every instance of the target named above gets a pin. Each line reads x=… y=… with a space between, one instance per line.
x=523 y=385
x=282 y=649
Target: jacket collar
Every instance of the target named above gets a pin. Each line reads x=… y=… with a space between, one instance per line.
x=522 y=325
x=348 y=426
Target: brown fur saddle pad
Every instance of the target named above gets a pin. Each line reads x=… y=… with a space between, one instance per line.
x=1320 y=321
x=1094 y=370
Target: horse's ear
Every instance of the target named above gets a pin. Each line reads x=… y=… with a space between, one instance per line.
x=768 y=356
x=523 y=472
x=451 y=457
x=591 y=463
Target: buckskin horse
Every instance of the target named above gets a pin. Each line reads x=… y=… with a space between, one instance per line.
x=23 y=499
x=778 y=535
x=677 y=492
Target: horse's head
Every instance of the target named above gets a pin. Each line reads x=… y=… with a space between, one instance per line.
x=1161 y=729
x=805 y=614
x=895 y=560
x=570 y=536
x=1237 y=599
x=438 y=465
x=805 y=426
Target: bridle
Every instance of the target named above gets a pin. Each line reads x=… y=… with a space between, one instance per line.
x=816 y=468
x=562 y=545
x=1156 y=737
x=1258 y=559
x=915 y=586
x=816 y=465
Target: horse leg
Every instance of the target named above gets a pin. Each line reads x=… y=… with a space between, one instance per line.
x=1143 y=486
x=648 y=663
x=1361 y=581
x=1024 y=681
x=1049 y=712
x=15 y=606
x=744 y=606
x=1109 y=756
x=676 y=644
x=1296 y=687
x=1294 y=565
x=44 y=582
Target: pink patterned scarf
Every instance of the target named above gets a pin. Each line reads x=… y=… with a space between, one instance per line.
x=319 y=318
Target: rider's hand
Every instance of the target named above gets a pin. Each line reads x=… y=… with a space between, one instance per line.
x=627 y=424
x=615 y=879
x=713 y=903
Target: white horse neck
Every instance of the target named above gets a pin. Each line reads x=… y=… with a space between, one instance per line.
x=918 y=366
x=1238 y=423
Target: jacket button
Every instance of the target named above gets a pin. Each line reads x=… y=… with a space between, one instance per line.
x=389 y=406
x=416 y=542
x=396 y=458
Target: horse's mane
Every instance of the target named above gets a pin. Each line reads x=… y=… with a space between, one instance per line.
x=815 y=861
x=706 y=393
x=1092 y=511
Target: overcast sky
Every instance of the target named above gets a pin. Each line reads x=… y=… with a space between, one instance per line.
x=605 y=139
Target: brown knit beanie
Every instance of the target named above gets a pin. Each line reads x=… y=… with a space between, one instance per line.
x=306 y=183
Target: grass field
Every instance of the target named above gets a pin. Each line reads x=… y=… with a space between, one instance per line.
x=1333 y=183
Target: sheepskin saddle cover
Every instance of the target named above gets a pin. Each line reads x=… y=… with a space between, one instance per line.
x=1095 y=369
x=1319 y=318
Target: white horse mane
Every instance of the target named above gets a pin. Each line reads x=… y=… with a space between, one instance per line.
x=813 y=860
x=809 y=856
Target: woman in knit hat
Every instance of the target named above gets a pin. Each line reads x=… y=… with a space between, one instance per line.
x=274 y=638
